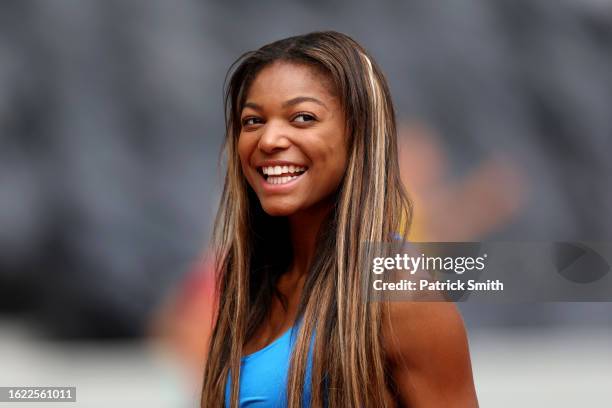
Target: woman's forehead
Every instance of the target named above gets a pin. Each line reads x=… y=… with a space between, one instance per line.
x=291 y=76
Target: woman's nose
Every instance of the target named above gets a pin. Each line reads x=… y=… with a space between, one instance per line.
x=273 y=138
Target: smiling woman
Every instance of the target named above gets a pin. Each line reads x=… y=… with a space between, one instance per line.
x=313 y=173
x=292 y=145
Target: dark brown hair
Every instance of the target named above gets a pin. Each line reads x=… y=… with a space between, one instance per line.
x=348 y=360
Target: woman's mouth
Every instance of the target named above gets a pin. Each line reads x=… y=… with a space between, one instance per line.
x=281 y=174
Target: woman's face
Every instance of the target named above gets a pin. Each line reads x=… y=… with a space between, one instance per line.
x=292 y=145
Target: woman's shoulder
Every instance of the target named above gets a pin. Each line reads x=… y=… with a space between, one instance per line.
x=427 y=352
x=417 y=332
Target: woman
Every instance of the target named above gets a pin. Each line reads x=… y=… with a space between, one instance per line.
x=313 y=173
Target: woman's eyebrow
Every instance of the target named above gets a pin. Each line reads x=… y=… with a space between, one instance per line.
x=301 y=99
x=290 y=102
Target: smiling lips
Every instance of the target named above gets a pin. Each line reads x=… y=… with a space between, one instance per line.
x=282 y=174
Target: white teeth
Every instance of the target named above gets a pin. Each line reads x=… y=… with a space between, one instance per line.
x=280 y=180
x=278 y=170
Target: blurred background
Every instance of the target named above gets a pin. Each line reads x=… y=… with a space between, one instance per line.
x=111 y=123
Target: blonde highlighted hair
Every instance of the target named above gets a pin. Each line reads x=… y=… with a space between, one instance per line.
x=252 y=247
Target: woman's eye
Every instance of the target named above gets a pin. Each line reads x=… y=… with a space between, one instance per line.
x=304 y=115
x=248 y=121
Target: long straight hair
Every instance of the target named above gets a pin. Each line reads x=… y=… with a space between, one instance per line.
x=252 y=250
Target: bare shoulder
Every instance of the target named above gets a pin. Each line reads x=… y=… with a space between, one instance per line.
x=407 y=325
x=427 y=350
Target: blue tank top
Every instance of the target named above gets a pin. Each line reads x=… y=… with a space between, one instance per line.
x=263 y=375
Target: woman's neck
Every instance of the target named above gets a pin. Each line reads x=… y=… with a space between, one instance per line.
x=304 y=230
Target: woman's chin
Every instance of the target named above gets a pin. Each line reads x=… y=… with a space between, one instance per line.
x=279 y=209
